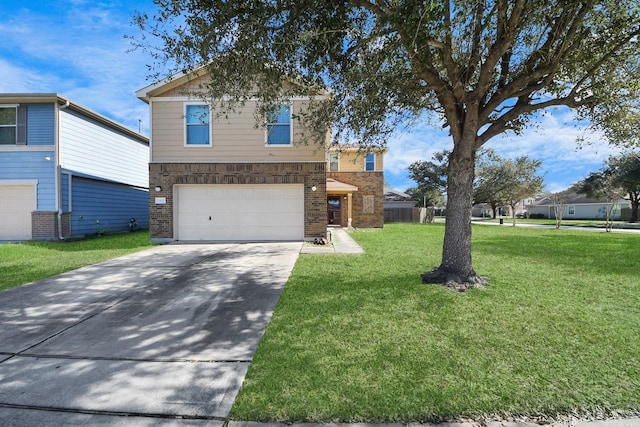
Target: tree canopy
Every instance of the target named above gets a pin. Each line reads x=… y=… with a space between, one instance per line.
x=430 y=177
x=506 y=182
x=618 y=178
x=499 y=181
x=485 y=67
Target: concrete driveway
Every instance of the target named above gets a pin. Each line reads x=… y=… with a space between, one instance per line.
x=150 y=337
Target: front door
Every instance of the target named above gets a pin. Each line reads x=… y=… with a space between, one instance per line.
x=333 y=210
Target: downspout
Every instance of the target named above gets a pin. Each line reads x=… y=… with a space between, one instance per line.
x=58 y=167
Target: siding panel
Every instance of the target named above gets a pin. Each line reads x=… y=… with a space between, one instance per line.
x=353 y=161
x=235 y=139
x=32 y=165
x=40 y=124
x=113 y=205
x=91 y=148
x=65 y=202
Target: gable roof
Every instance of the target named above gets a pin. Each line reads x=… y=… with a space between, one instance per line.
x=146 y=93
x=352 y=148
x=396 y=196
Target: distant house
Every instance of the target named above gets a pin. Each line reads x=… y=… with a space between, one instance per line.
x=484 y=210
x=578 y=206
x=67 y=171
x=399 y=207
x=224 y=178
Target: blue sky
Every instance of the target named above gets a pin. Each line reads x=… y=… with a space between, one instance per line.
x=77 y=48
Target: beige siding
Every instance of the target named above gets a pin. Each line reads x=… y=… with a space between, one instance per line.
x=192 y=85
x=234 y=139
x=353 y=161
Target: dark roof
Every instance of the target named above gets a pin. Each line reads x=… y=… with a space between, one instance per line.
x=396 y=196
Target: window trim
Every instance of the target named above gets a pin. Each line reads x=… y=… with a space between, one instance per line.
x=15 y=125
x=373 y=162
x=571 y=209
x=337 y=162
x=186 y=126
x=290 y=124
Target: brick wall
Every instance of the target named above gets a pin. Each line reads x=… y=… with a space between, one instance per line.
x=166 y=175
x=66 y=224
x=369 y=184
x=44 y=225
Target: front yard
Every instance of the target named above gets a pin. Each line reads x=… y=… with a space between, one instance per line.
x=25 y=262
x=358 y=338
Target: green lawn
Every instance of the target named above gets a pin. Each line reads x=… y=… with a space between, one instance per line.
x=22 y=263
x=359 y=338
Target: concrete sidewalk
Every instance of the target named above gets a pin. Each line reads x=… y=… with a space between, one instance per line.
x=627 y=422
x=340 y=243
x=509 y=223
x=27 y=418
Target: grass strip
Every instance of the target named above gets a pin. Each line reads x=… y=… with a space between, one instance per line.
x=25 y=262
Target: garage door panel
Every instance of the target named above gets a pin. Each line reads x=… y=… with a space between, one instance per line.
x=16 y=205
x=240 y=212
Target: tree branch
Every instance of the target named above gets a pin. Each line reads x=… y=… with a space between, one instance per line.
x=521 y=108
x=502 y=44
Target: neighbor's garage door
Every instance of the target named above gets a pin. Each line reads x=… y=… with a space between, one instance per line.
x=240 y=212
x=16 y=204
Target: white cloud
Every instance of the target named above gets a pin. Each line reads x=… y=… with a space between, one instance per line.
x=76 y=49
x=17 y=79
x=553 y=140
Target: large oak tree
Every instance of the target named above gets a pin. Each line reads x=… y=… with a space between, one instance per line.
x=485 y=66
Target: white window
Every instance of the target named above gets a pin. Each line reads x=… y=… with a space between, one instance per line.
x=571 y=210
x=333 y=162
x=197 y=125
x=279 y=128
x=370 y=162
x=8 y=125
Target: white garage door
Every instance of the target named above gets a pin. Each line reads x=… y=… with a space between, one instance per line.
x=16 y=204
x=240 y=212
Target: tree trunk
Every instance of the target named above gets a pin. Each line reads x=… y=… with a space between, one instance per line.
x=634 y=210
x=494 y=207
x=456 y=270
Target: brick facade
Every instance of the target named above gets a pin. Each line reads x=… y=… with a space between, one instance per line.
x=44 y=225
x=369 y=184
x=166 y=175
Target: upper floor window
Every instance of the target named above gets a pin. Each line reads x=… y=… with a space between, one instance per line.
x=8 y=125
x=197 y=125
x=370 y=162
x=279 y=129
x=333 y=162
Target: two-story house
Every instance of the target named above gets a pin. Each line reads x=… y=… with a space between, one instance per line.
x=355 y=187
x=224 y=178
x=66 y=170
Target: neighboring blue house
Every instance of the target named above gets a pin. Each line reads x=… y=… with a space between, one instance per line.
x=67 y=171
